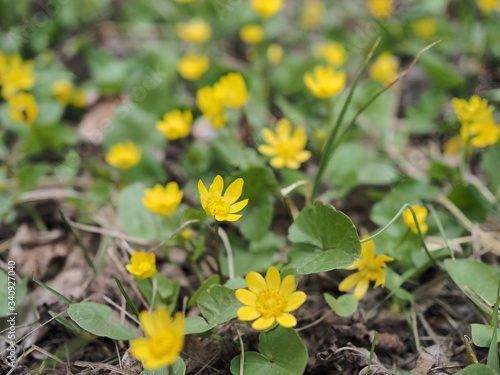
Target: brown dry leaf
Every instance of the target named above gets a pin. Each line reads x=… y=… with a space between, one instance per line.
x=389 y=342
x=433 y=355
x=92 y=127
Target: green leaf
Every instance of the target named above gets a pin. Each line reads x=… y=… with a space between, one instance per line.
x=196 y=324
x=97 y=319
x=259 y=181
x=482 y=334
x=282 y=352
x=345 y=305
x=29 y=175
x=440 y=70
x=255 y=223
x=212 y=280
x=476 y=370
x=178 y=368
x=20 y=288
x=324 y=239
x=52 y=137
x=218 y=305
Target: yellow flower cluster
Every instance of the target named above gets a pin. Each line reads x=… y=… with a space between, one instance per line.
x=142 y=265
x=325 y=82
x=193 y=65
x=384 y=69
x=478 y=127
x=66 y=93
x=380 y=8
x=175 y=124
x=230 y=91
x=163 y=200
x=267 y=8
x=421 y=214
x=334 y=53
x=425 y=27
x=123 y=155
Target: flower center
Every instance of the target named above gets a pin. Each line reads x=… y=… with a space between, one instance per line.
x=372 y=265
x=218 y=206
x=161 y=343
x=286 y=148
x=271 y=303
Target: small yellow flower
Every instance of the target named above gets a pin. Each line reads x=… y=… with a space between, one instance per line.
x=175 y=124
x=334 y=53
x=481 y=134
x=18 y=75
x=142 y=265
x=267 y=8
x=211 y=106
x=488 y=6
x=252 y=34
x=22 y=108
x=187 y=234
x=453 y=146
x=186 y=1
x=425 y=27
x=274 y=54
x=163 y=200
x=384 y=69
x=269 y=300
x=380 y=8
x=195 y=31
x=192 y=66
x=474 y=110
x=223 y=207
x=370 y=268
x=63 y=91
x=287 y=148
x=123 y=155
x=325 y=81
x=312 y=14
x=421 y=214
x=232 y=90
x=79 y=98
x=164 y=342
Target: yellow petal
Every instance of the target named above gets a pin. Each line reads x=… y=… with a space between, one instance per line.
x=238 y=206
x=216 y=187
x=268 y=136
x=380 y=278
x=287 y=286
x=247 y=313
x=233 y=191
x=256 y=282
x=367 y=250
x=292 y=164
x=263 y=323
x=246 y=297
x=350 y=281
x=277 y=162
x=229 y=217
x=203 y=192
x=267 y=150
x=295 y=300
x=361 y=288
x=273 y=279
x=286 y=320
x=303 y=156
x=283 y=128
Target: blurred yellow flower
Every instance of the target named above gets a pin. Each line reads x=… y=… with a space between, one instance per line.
x=384 y=69
x=325 y=81
x=370 y=268
x=175 y=124
x=287 y=148
x=18 y=75
x=252 y=34
x=22 y=108
x=481 y=134
x=274 y=54
x=267 y=8
x=163 y=200
x=123 y=155
x=334 y=53
x=192 y=66
x=269 y=300
x=232 y=90
x=474 y=110
x=312 y=14
x=164 y=339
x=63 y=91
x=421 y=214
x=79 y=98
x=142 y=265
x=187 y=234
x=380 y=8
x=223 y=207
x=195 y=31
x=211 y=106
x=488 y=6
x=453 y=146
x=425 y=27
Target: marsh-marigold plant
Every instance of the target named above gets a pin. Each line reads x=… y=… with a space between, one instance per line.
x=142 y=265
x=421 y=214
x=194 y=31
x=267 y=8
x=325 y=82
x=17 y=75
x=231 y=90
x=370 y=268
x=123 y=155
x=164 y=339
x=269 y=300
x=175 y=124
x=286 y=145
x=163 y=200
x=384 y=69
x=222 y=206
x=193 y=65
x=22 y=108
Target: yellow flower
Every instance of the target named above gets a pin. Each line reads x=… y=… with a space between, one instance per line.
x=18 y=75
x=195 y=31
x=453 y=146
x=370 y=268
x=481 y=134
x=22 y=108
x=223 y=207
x=312 y=14
x=425 y=27
x=286 y=147
x=164 y=342
x=192 y=66
x=269 y=300
x=488 y=6
x=142 y=265
x=252 y=34
x=123 y=155
x=325 y=81
x=79 y=98
x=274 y=54
x=267 y=8
x=63 y=91
x=187 y=234
x=380 y=8
x=163 y=200
x=334 y=53
x=421 y=214
x=186 y=1
x=384 y=69
x=211 y=107
x=232 y=90
x=474 y=110
x=175 y=124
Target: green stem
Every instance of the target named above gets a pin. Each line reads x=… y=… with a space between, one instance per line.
x=441 y=230
x=242 y=355
x=216 y=249
x=372 y=351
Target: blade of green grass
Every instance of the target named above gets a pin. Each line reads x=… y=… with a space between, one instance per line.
x=127 y=298
x=56 y=293
x=492 y=360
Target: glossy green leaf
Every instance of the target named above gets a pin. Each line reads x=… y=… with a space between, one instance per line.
x=477 y=370
x=212 y=280
x=20 y=288
x=178 y=368
x=196 y=324
x=218 y=305
x=482 y=334
x=345 y=305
